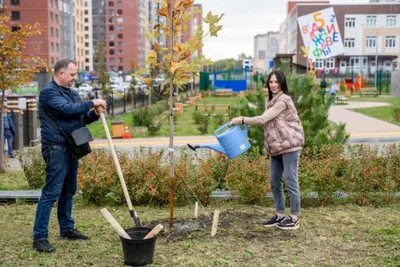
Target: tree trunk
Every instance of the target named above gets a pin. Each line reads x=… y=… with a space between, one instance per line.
x=171 y=124
x=2 y=132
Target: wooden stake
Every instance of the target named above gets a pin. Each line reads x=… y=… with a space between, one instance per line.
x=215 y=223
x=154 y=232
x=196 y=209
x=114 y=223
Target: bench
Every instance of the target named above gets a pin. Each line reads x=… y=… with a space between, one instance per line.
x=223 y=92
x=215 y=107
x=341 y=100
x=178 y=108
x=369 y=93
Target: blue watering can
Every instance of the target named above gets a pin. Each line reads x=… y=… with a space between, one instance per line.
x=232 y=142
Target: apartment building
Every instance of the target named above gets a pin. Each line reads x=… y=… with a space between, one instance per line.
x=368 y=31
x=88 y=35
x=67 y=28
x=47 y=45
x=79 y=34
x=266 y=46
x=195 y=22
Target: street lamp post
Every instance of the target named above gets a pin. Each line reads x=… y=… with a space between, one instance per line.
x=376 y=61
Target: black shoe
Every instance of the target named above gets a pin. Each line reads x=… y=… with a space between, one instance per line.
x=43 y=246
x=289 y=224
x=273 y=221
x=74 y=235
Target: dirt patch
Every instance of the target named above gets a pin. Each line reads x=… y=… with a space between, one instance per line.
x=200 y=228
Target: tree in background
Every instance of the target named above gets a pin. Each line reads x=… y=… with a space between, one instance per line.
x=174 y=59
x=17 y=65
x=100 y=59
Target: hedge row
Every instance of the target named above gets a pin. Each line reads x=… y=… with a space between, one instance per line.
x=366 y=174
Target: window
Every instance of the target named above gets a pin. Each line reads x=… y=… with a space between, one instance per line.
x=111 y=12
x=390 y=41
x=86 y=12
x=15 y=2
x=111 y=27
x=349 y=42
x=52 y=60
x=120 y=20
x=120 y=68
x=87 y=52
x=330 y=63
x=391 y=21
x=121 y=60
x=56 y=17
x=350 y=22
x=370 y=41
x=119 y=3
x=110 y=3
x=86 y=28
x=57 y=48
x=120 y=28
x=120 y=36
x=87 y=36
x=86 y=20
x=51 y=32
x=319 y=63
x=119 y=11
x=111 y=20
x=111 y=36
x=111 y=60
x=57 y=33
x=371 y=21
x=15 y=28
x=111 y=44
x=120 y=52
x=111 y=51
x=86 y=44
x=52 y=47
x=112 y=68
x=86 y=60
x=86 y=3
x=15 y=15
x=120 y=44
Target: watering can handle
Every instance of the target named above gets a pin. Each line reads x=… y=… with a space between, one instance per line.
x=221 y=128
x=245 y=130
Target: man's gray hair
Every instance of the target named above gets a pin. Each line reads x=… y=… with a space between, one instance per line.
x=62 y=64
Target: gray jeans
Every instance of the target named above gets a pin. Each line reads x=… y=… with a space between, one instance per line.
x=286 y=165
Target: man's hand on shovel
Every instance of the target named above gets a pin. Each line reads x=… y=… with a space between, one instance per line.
x=100 y=106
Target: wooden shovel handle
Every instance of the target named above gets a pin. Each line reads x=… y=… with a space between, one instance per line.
x=114 y=223
x=154 y=232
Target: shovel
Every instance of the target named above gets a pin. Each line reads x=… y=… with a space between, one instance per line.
x=121 y=177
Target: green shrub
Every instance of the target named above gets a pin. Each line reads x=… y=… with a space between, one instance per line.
x=202 y=121
x=396 y=113
x=33 y=166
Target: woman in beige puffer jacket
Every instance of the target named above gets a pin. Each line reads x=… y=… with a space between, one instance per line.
x=283 y=139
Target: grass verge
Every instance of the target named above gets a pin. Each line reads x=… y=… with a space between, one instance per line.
x=184 y=126
x=381 y=113
x=328 y=236
x=13 y=180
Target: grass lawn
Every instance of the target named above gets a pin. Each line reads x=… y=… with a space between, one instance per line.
x=382 y=113
x=184 y=126
x=13 y=180
x=328 y=236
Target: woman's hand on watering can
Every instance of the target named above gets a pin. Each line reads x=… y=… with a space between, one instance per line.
x=237 y=121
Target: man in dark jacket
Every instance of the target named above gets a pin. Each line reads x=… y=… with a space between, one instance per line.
x=64 y=106
x=9 y=131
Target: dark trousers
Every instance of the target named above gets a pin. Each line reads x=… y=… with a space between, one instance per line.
x=8 y=136
x=61 y=185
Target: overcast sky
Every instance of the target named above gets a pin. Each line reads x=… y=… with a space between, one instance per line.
x=243 y=20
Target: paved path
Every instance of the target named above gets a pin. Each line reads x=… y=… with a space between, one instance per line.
x=359 y=125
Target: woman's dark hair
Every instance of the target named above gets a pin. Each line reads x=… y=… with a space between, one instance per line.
x=280 y=76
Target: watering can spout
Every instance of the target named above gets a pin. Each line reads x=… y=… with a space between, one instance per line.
x=215 y=147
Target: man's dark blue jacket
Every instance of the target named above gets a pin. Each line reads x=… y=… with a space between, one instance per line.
x=66 y=109
x=9 y=121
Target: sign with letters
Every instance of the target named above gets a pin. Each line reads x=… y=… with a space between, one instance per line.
x=321 y=34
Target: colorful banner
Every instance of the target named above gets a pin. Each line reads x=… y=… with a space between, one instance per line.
x=321 y=35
